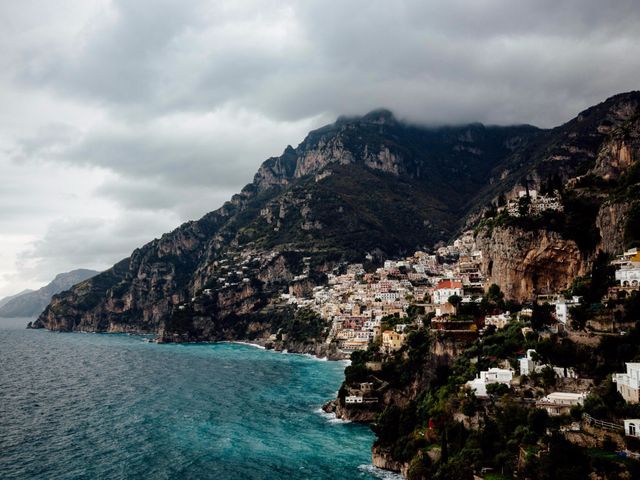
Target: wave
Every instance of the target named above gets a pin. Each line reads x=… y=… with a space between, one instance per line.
x=238 y=342
x=330 y=417
x=379 y=473
x=312 y=356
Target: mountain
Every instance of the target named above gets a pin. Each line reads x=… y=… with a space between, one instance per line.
x=7 y=299
x=369 y=184
x=30 y=303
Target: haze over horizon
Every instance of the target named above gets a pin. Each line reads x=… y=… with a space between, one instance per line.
x=123 y=119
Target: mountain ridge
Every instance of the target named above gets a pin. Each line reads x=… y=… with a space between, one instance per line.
x=32 y=302
x=316 y=201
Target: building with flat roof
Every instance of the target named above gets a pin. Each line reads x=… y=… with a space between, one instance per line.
x=560 y=403
x=628 y=384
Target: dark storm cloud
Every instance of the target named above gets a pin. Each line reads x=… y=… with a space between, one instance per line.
x=494 y=61
x=165 y=72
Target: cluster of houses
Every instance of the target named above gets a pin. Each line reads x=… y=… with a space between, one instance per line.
x=537 y=203
x=556 y=403
x=561 y=402
x=356 y=301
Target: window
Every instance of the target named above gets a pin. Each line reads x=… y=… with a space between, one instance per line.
x=632 y=429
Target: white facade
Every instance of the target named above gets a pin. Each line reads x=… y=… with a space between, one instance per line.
x=528 y=366
x=563 y=306
x=558 y=403
x=628 y=276
x=527 y=363
x=632 y=427
x=441 y=295
x=351 y=399
x=499 y=321
x=498 y=375
x=628 y=384
x=388 y=296
x=493 y=375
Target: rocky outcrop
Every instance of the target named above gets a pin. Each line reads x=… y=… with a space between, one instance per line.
x=620 y=152
x=358 y=414
x=529 y=263
x=382 y=458
x=316 y=349
x=611 y=221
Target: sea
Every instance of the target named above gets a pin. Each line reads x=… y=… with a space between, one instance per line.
x=115 y=406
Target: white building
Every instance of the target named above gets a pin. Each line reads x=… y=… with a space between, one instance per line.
x=493 y=375
x=388 y=296
x=351 y=399
x=560 y=403
x=632 y=427
x=562 y=308
x=446 y=289
x=499 y=321
x=628 y=276
x=527 y=363
x=629 y=383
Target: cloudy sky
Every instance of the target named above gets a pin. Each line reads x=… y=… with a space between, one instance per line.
x=121 y=119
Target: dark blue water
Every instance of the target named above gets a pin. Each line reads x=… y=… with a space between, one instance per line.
x=114 y=406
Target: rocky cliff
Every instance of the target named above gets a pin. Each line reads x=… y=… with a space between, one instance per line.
x=529 y=263
x=596 y=156
x=369 y=184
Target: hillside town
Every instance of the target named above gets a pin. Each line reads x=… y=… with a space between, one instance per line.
x=378 y=309
x=356 y=302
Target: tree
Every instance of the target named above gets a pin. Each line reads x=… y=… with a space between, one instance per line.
x=523 y=205
x=497 y=389
x=455 y=300
x=538 y=420
x=494 y=294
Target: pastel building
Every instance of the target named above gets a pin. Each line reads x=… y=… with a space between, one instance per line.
x=391 y=341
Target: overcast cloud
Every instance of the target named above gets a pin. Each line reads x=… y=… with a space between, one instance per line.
x=123 y=118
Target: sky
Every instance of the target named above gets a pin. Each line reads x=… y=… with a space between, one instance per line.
x=122 y=119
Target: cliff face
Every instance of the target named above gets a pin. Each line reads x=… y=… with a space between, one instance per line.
x=620 y=151
x=611 y=221
x=597 y=156
x=367 y=184
x=529 y=263
x=383 y=458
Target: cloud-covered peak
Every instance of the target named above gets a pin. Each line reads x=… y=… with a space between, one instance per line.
x=124 y=109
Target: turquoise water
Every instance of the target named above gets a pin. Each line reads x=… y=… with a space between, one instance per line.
x=113 y=406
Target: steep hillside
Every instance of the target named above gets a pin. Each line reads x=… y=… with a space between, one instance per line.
x=368 y=184
x=593 y=162
x=31 y=303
